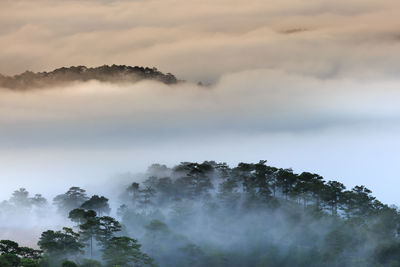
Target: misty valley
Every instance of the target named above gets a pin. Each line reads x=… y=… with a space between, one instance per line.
x=137 y=133
x=205 y=214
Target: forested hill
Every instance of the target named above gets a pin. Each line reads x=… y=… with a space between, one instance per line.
x=114 y=73
x=209 y=214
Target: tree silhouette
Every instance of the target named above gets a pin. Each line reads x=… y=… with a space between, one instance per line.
x=72 y=199
x=98 y=204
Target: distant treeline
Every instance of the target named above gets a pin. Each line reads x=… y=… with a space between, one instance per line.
x=105 y=73
x=209 y=214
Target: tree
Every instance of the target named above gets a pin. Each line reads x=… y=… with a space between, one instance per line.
x=14 y=255
x=152 y=181
x=108 y=226
x=60 y=244
x=98 y=204
x=90 y=263
x=308 y=187
x=72 y=199
x=286 y=181
x=154 y=231
x=89 y=230
x=122 y=210
x=30 y=253
x=27 y=262
x=133 y=191
x=67 y=263
x=125 y=251
x=359 y=202
x=145 y=198
x=262 y=179
x=333 y=195
x=81 y=216
x=91 y=226
x=9 y=260
x=228 y=190
x=20 y=198
x=165 y=189
x=195 y=181
x=9 y=247
x=158 y=170
x=38 y=200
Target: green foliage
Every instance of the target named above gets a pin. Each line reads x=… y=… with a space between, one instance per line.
x=98 y=204
x=27 y=262
x=107 y=227
x=9 y=247
x=11 y=254
x=125 y=251
x=208 y=214
x=90 y=263
x=318 y=223
x=72 y=199
x=67 y=263
x=92 y=227
x=60 y=244
x=4 y=261
x=11 y=259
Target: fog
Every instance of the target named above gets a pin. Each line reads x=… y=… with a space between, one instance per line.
x=84 y=133
x=312 y=86
x=214 y=214
x=309 y=85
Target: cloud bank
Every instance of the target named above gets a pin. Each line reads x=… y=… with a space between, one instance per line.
x=202 y=40
x=252 y=102
x=86 y=132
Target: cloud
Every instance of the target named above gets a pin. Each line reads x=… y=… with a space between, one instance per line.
x=203 y=40
x=95 y=114
x=322 y=100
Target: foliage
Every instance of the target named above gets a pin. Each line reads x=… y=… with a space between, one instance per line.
x=72 y=199
x=125 y=251
x=98 y=204
x=11 y=254
x=60 y=244
x=209 y=214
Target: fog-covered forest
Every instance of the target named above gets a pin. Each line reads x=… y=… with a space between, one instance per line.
x=65 y=75
x=136 y=133
x=206 y=214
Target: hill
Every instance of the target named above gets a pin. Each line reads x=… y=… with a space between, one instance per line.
x=65 y=75
x=211 y=214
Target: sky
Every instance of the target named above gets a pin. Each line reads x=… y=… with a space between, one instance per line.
x=312 y=85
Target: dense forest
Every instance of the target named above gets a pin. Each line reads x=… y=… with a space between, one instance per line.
x=211 y=214
x=105 y=73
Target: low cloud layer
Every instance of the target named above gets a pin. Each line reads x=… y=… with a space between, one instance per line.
x=202 y=40
x=247 y=103
x=84 y=133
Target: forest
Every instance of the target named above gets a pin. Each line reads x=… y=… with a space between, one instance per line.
x=209 y=214
x=67 y=75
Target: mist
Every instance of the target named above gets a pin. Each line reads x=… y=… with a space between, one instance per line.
x=87 y=132
x=210 y=213
x=199 y=133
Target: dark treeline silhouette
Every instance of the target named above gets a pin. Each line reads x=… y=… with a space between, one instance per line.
x=209 y=214
x=105 y=73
